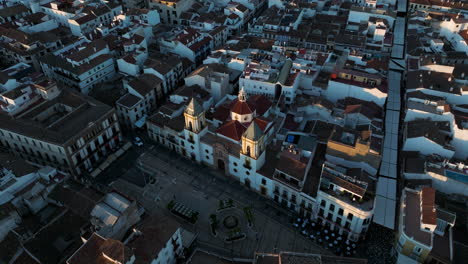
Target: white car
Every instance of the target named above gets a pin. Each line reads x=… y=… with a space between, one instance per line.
x=137 y=142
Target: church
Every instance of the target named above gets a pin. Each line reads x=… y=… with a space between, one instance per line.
x=249 y=139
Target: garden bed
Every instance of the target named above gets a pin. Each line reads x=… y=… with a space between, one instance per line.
x=213 y=224
x=183 y=212
x=225 y=204
x=249 y=216
x=234 y=235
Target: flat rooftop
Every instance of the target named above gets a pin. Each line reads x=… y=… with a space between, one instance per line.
x=58 y=120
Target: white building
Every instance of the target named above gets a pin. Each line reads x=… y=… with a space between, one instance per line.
x=212 y=77
x=168 y=68
x=81 y=65
x=188 y=43
x=160 y=240
x=66 y=130
x=143 y=94
x=235 y=143
x=429 y=138
x=96 y=248
x=170 y=10
x=346 y=200
x=144 y=16
x=23 y=189
x=425 y=231
x=264 y=80
x=114 y=215
x=82 y=19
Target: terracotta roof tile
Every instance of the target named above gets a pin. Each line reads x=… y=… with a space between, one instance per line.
x=242 y=108
x=232 y=129
x=429 y=214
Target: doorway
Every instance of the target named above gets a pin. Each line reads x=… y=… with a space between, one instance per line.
x=221 y=165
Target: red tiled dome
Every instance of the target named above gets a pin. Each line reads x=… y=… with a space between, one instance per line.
x=241 y=108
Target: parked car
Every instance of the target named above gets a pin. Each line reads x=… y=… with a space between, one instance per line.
x=137 y=142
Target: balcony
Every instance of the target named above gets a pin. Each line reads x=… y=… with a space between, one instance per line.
x=365 y=203
x=171 y=138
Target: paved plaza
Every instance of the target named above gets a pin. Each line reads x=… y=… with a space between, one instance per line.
x=201 y=188
x=155 y=176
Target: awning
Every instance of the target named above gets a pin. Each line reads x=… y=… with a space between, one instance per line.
x=95 y=173
x=141 y=122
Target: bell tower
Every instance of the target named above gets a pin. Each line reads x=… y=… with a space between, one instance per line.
x=195 y=128
x=194 y=116
x=252 y=141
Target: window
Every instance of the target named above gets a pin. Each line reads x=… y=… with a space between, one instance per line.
x=207 y=151
x=338 y=220
x=321 y=212
x=323 y=203
x=330 y=216
x=263 y=181
x=417 y=250
x=332 y=207
x=340 y=211
x=366 y=221
x=350 y=217
x=207 y=157
x=347 y=225
x=402 y=241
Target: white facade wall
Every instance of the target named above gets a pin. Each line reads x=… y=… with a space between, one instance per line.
x=153 y=18
x=357 y=225
x=254 y=87
x=184 y=51
x=207 y=154
x=7 y=224
x=337 y=90
x=352 y=164
x=128 y=68
x=440 y=182
x=100 y=73
x=60 y=16
x=426 y=147
x=453 y=99
x=44 y=26
x=168 y=253
x=460 y=143
x=357 y=17
x=234 y=166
